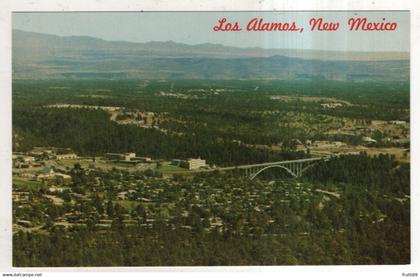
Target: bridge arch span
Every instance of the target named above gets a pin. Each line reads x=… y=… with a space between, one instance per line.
x=272 y=166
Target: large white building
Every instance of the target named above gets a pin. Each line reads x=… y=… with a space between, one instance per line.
x=129 y=156
x=195 y=163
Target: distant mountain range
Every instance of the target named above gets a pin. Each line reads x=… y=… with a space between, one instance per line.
x=42 y=56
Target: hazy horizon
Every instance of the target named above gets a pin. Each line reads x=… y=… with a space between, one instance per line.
x=208 y=43
x=192 y=28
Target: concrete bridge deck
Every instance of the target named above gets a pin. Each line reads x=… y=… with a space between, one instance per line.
x=272 y=163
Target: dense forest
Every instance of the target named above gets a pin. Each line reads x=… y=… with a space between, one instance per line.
x=91 y=133
x=221 y=121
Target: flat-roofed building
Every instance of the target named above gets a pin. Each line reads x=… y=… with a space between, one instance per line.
x=143 y=159
x=195 y=163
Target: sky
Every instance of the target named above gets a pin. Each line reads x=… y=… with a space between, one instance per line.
x=197 y=28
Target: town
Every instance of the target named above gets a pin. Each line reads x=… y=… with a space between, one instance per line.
x=188 y=171
x=50 y=176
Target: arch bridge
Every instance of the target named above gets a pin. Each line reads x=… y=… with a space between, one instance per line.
x=295 y=168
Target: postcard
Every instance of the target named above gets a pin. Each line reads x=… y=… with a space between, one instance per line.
x=210 y=138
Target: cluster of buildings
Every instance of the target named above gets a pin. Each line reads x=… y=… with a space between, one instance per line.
x=48 y=175
x=45 y=175
x=129 y=158
x=36 y=157
x=399 y=122
x=139 y=118
x=331 y=105
x=41 y=157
